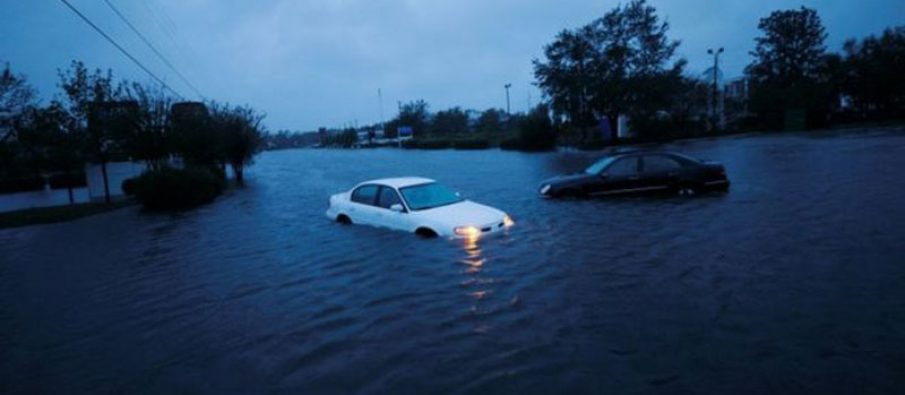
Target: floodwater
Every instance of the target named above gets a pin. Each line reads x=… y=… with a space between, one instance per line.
x=44 y=198
x=793 y=282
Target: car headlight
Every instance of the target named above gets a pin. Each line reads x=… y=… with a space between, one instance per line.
x=507 y=221
x=544 y=189
x=467 y=231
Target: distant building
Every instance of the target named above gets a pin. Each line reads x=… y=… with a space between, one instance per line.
x=188 y=110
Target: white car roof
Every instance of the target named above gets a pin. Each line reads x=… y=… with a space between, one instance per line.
x=399 y=182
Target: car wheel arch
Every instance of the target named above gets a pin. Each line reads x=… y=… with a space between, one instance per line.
x=687 y=187
x=426 y=232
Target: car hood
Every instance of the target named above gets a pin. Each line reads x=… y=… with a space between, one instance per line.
x=464 y=213
x=570 y=179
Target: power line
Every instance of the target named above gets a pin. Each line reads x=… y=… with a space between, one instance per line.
x=153 y=48
x=120 y=48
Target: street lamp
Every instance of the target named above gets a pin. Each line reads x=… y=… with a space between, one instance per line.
x=716 y=63
x=507 y=86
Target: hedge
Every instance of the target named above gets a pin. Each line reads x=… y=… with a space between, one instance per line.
x=65 y=181
x=22 y=185
x=175 y=189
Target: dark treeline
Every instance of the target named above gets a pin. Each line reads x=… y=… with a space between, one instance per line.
x=623 y=63
x=469 y=129
x=97 y=119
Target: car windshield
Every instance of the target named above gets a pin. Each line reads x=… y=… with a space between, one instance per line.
x=425 y=196
x=596 y=168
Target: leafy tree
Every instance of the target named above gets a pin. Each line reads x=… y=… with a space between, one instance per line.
x=193 y=138
x=449 y=122
x=876 y=81
x=16 y=96
x=617 y=64
x=535 y=131
x=788 y=60
x=566 y=78
x=84 y=90
x=390 y=128
x=415 y=115
x=490 y=121
x=92 y=102
x=50 y=145
x=240 y=131
x=150 y=137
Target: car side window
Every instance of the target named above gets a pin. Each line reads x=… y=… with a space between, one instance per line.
x=623 y=167
x=388 y=197
x=365 y=194
x=660 y=164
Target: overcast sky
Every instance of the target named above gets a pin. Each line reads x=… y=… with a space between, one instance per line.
x=320 y=62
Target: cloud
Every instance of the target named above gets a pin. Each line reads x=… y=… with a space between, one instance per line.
x=320 y=63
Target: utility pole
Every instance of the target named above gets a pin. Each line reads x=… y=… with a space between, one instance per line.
x=507 y=86
x=715 y=95
x=380 y=107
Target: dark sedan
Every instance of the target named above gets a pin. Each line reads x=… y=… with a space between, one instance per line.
x=638 y=172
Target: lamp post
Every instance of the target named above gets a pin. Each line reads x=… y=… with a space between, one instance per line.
x=714 y=97
x=507 y=86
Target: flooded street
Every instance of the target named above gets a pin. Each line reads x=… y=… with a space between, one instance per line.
x=792 y=282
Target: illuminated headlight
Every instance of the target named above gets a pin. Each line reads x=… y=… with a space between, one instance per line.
x=467 y=231
x=544 y=189
x=507 y=221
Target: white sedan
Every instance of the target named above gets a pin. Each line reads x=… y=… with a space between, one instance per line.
x=418 y=205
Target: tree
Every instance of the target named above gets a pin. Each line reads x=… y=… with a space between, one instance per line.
x=50 y=144
x=16 y=96
x=194 y=140
x=787 y=63
x=490 y=122
x=875 y=79
x=567 y=76
x=92 y=104
x=415 y=115
x=240 y=131
x=449 y=122
x=617 y=64
x=535 y=131
x=150 y=137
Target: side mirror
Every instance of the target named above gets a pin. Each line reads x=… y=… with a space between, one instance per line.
x=397 y=208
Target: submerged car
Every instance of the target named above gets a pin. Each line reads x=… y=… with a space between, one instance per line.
x=418 y=205
x=638 y=172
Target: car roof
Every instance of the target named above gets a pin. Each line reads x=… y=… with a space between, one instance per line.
x=399 y=182
x=639 y=152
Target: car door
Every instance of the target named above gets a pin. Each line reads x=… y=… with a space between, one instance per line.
x=386 y=198
x=621 y=176
x=659 y=172
x=363 y=208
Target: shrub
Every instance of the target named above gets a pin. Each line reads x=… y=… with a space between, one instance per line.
x=22 y=185
x=72 y=180
x=128 y=186
x=535 y=133
x=471 y=144
x=176 y=189
x=426 y=144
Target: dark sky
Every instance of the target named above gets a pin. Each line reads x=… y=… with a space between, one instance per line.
x=311 y=63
